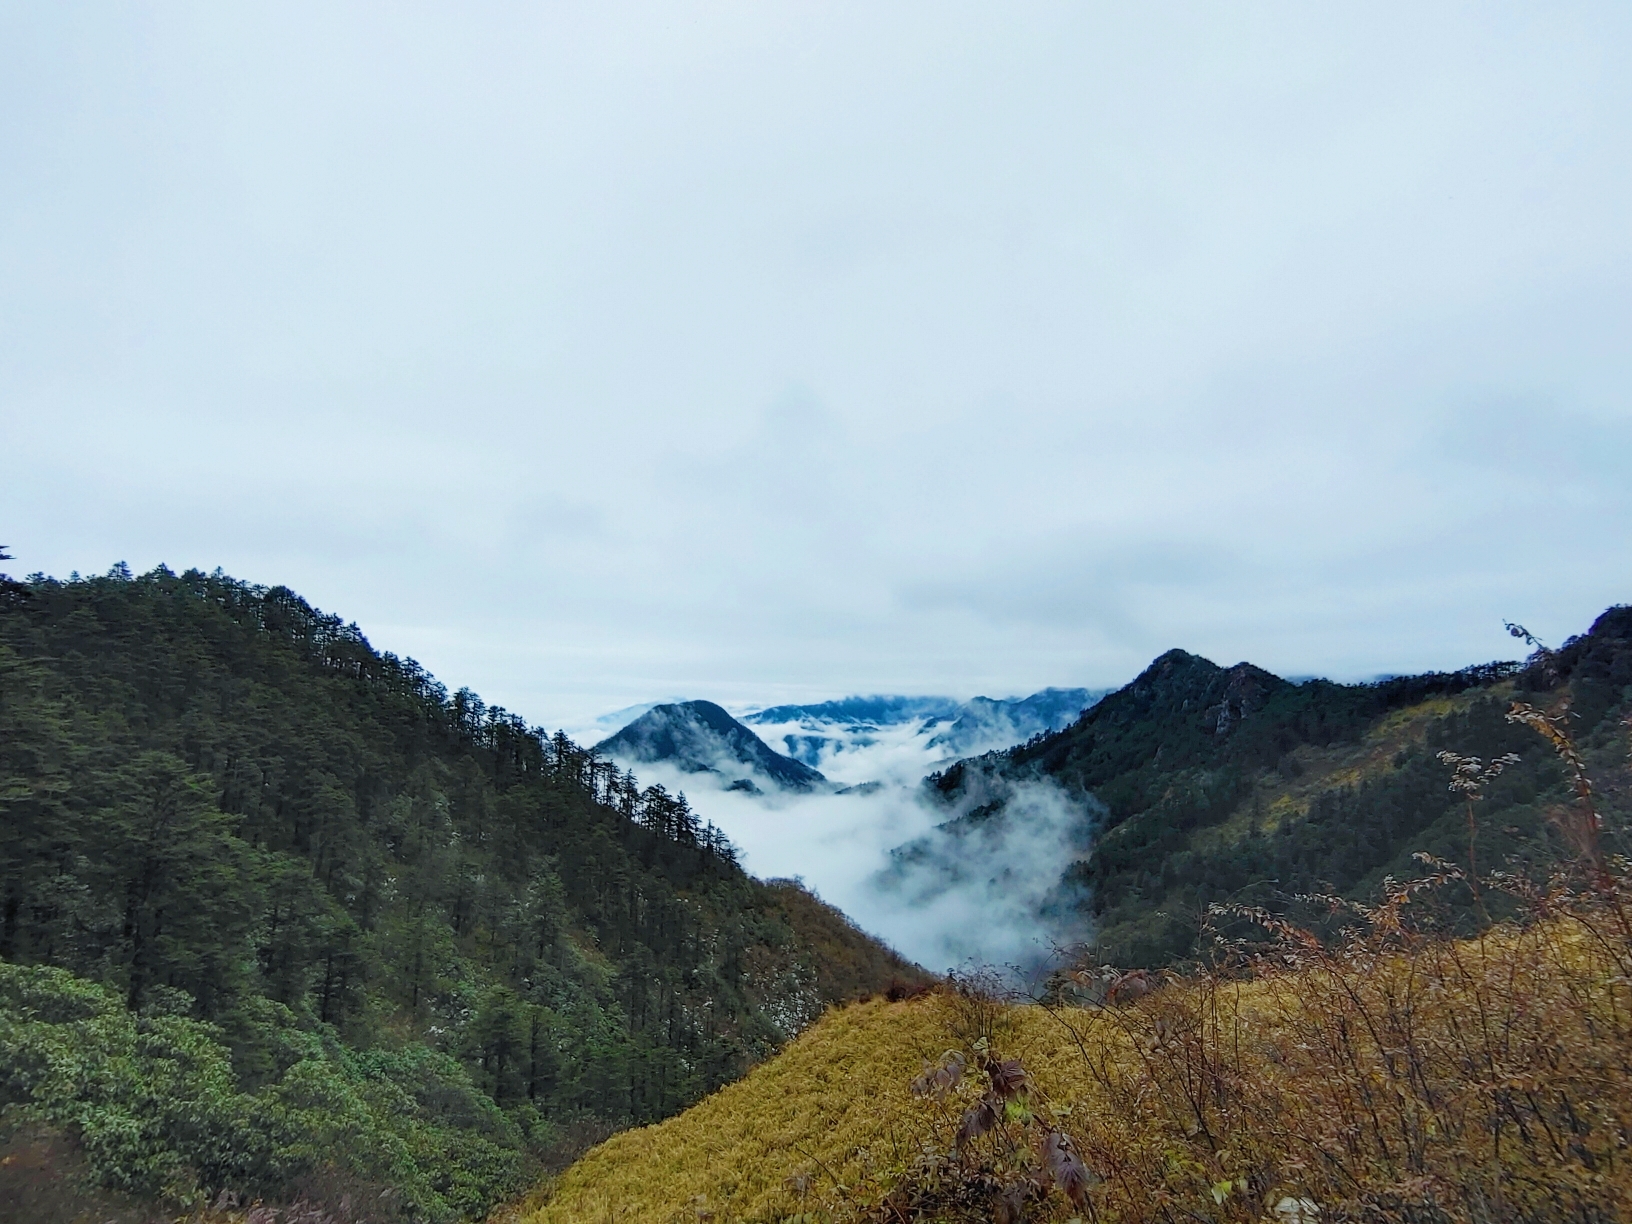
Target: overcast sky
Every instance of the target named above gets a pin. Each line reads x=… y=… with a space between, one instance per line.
x=599 y=353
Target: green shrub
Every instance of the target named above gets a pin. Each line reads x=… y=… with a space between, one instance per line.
x=155 y=1105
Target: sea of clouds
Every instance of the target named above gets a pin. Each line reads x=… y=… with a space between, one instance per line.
x=945 y=892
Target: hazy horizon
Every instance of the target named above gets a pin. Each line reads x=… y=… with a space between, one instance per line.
x=589 y=724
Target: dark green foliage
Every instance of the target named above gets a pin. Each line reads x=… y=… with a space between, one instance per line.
x=227 y=808
x=155 y=1106
x=1182 y=758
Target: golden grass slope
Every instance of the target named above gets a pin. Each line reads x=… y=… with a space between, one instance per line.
x=1396 y=1078
x=817 y=1108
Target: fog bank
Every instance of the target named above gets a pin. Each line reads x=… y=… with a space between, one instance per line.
x=941 y=889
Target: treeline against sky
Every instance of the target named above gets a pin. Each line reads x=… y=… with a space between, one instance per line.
x=226 y=809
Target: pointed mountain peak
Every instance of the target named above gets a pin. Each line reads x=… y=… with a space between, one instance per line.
x=702 y=737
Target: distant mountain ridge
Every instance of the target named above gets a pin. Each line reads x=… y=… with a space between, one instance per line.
x=955 y=728
x=701 y=737
x=1216 y=784
x=878 y=710
x=984 y=723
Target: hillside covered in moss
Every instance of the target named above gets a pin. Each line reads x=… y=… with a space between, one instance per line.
x=297 y=910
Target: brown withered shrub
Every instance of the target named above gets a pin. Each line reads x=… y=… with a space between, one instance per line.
x=1394 y=1075
x=900 y=990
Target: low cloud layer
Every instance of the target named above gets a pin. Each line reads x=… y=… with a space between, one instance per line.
x=994 y=891
x=986 y=894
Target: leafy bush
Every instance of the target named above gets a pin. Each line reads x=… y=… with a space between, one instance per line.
x=155 y=1106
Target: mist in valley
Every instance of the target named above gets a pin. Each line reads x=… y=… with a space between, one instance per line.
x=947 y=891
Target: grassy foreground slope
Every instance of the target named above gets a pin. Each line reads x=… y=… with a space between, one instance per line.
x=1396 y=1078
x=815 y=1112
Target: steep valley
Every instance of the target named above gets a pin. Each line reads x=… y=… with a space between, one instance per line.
x=281 y=918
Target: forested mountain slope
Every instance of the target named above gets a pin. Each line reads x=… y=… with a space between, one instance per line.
x=230 y=812
x=1233 y=784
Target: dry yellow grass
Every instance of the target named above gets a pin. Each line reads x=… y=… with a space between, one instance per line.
x=817 y=1110
x=1396 y=1079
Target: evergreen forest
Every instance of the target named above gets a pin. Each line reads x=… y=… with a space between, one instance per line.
x=277 y=909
